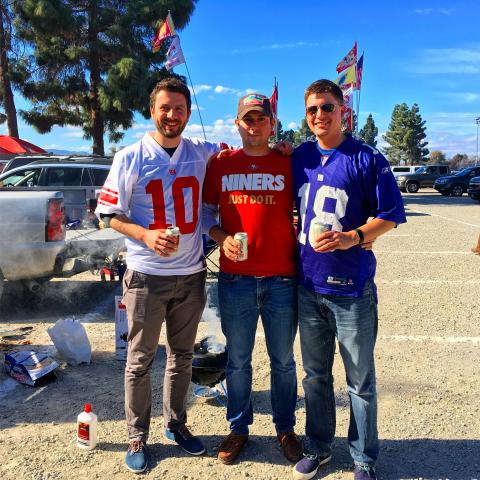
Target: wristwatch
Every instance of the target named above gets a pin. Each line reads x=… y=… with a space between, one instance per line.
x=361 y=236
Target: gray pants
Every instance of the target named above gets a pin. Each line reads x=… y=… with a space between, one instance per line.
x=149 y=300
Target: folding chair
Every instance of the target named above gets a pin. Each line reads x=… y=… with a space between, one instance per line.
x=209 y=248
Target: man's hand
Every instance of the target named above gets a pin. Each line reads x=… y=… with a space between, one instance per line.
x=231 y=248
x=160 y=242
x=332 y=240
x=283 y=147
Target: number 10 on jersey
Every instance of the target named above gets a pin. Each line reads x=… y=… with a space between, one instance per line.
x=178 y=195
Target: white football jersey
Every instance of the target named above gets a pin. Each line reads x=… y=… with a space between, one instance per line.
x=155 y=191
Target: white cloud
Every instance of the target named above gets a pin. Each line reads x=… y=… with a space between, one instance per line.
x=73 y=132
x=292 y=126
x=220 y=131
x=462 y=97
x=423 y=11
x=200 y=88
x=428 y=11
x=141 y=126
x=223 y=90
x=445 y=60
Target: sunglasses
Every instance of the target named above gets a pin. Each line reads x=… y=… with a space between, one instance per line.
x=326 y=107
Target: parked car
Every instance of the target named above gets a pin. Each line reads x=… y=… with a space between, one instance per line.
x=456 y=185
x=402 y=169
x=474 y=188
x=423 y=177
x=79 y=178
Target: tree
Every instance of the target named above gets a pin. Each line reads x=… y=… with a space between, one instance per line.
x=6 y=93
x=406 y=136
x=369 y=132
x=459 y=161
x=303 y=133
x=437 y=157
x=93 y=62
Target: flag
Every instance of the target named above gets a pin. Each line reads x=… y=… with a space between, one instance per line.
x=348 y=97
x=347 y=119
x=359 y=72
x=349 y=59
x=346 y=78
x=274 y=101
x=167 y=29
x=174 y=54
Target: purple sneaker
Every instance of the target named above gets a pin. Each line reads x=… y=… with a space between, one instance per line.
x=364 y=472
x=307 y=467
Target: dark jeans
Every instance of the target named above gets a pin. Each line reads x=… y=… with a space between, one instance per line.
x=242 y=299
x=354 y=322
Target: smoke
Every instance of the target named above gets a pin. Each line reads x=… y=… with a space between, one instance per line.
x=216 y=340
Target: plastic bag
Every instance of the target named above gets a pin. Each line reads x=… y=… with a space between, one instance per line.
x=71 y=341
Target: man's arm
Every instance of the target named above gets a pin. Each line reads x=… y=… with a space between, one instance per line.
x=156 y=240
x=332 y=240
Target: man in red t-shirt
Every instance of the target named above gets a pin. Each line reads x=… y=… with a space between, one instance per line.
x=251 y=191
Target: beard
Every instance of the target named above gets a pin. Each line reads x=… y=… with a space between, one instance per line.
x=172 y=131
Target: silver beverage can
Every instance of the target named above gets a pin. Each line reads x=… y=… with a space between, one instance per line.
x=174 y=232
x=317 y=227
x=242 y=237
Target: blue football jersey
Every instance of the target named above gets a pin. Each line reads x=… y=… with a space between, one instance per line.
x=353 y=184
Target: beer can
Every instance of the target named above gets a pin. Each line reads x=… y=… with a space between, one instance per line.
x=242 y=237
x=174 y=232
x=317 y=227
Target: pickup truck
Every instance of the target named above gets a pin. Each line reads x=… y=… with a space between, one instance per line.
x=423 y=177
x=32 y=236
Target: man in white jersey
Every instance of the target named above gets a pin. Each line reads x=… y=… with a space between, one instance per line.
x=153 y=184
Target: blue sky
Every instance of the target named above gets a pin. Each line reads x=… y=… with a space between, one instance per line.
x=424 y=52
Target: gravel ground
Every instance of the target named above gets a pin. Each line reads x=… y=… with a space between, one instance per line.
x=428 y=353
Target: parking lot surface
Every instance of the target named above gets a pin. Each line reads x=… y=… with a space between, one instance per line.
x=428 y=356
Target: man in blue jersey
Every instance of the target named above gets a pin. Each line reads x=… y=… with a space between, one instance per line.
x=339 y=183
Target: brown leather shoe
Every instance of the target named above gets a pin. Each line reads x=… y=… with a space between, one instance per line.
x=291 y=446
x=231 y=446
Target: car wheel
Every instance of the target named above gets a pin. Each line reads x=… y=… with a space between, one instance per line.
x=412 y=187
x=456 y=190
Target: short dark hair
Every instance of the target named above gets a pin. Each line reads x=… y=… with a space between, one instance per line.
x=324 y=86
x=171 y=84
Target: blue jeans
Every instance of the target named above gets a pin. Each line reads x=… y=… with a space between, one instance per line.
x=242 y=299
x=354 y=322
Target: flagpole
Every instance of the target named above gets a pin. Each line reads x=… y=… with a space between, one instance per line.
x=359 y=90
x=195 y=97
x=276 y=112
x=191 y=83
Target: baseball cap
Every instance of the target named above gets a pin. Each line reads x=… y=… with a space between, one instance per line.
x=254 y=101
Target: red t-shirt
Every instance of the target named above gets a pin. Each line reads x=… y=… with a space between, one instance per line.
x=254 y=195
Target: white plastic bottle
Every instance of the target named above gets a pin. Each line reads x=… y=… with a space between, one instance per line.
x=87 y=428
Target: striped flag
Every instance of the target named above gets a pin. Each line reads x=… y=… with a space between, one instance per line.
x=167 y=29
x=349 y=59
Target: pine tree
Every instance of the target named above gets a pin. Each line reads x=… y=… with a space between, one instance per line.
x=7 y=73
x=369 y=132
x=406 y=136
x=93 y=62
x=303 y=133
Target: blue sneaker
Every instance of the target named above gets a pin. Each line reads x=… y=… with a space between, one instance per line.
x=364 y=472
x=184 y=439
x=307 y=467
x=136 y=458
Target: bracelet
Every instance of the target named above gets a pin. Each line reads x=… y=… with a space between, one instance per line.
x=361 y=236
